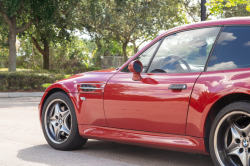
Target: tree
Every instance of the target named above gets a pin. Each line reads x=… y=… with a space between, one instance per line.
x=193 y=10
x=16 y=14
x=130 y=20
x=229 y=8
x=218 y=8
x=54 y=27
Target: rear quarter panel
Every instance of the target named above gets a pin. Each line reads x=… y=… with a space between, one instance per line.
x=209 y=88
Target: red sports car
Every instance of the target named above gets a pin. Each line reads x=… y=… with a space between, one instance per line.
x=188 y=90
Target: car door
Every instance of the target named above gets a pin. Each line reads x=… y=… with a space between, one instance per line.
x=159 y=101
x=228 y=72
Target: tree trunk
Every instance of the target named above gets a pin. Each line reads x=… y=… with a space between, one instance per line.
x=46 y=56
x=44 y=52
x=12 y=44
x=124 y=49
x=135 y=48
x=33 y=56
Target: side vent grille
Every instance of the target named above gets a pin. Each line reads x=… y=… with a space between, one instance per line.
x=88 y=88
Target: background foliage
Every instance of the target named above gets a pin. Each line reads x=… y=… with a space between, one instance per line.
x=72 y=36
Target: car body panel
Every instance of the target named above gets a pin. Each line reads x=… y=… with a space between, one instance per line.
x=70 y=84
x=147 y=104
x=92 y=110
x=228 y=21
x=209 y=88
x=40 y=106
x=95 y=114
x=148 y=139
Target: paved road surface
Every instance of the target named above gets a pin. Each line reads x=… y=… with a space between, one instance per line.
x=22 y=143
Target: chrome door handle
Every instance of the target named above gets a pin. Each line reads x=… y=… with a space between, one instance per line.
x=178 y=86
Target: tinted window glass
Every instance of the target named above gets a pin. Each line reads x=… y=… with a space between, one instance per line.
x=185 y=51
x=232 y=50
x=145 y=57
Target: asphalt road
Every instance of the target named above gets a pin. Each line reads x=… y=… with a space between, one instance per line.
x=22 y=143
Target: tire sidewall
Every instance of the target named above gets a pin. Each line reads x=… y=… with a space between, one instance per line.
x=243 y=106
x=74 y=127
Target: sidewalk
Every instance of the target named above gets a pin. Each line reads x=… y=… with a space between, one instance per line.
x=20 y=94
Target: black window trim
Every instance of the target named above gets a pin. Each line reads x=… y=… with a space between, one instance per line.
x=205 y=67
x=160 y=41
x=156 y=50
x=163 y=37
x=211 y=52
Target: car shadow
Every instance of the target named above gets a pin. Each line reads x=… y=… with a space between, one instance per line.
x=107 y=153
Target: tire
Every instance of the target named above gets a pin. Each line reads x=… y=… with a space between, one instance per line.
x=230 y=135
x=59 y=123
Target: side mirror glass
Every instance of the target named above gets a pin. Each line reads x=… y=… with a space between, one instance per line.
x=136 y=68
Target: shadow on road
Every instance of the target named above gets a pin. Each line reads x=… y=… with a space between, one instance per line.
x=106 y=153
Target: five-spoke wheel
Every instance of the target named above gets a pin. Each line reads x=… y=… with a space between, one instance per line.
x=59 y=123
x=230 y=136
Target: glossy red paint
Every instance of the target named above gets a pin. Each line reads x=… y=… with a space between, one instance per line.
x=71 y=84
x=40 y=106
x=148 y=104
x=155 y=140
x=136 y=74
x=100 y=87
x=91 y=110
x=71 y=87
x=209 y=88
x=228 y=21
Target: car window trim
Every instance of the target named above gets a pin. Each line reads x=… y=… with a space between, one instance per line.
x=210 y=55
x=163 y=37
x=211 y=51
x=156 y=50
x=208 y=58
x=143 y=52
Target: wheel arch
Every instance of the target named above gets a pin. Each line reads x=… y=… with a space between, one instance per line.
x=48 y=94
x=216 y=108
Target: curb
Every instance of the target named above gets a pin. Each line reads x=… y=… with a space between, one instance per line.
x=20 y=94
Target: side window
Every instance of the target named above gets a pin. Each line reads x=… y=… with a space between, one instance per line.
x=232 y=50
x=145 y=57
x=184 y=51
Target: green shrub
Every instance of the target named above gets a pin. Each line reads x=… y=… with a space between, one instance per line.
x=46 y=85
x=39 y=80
x=13 y=81
x=76 y=70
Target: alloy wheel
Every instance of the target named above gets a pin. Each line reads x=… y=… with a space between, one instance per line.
x=231 y=139
x=58 y=121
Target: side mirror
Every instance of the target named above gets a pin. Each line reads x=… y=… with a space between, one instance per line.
x=136 y=68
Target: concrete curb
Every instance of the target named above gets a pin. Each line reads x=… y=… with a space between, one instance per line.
x=20 y=94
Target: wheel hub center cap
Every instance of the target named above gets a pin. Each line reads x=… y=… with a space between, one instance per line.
x=60 y=121
x=245 y=143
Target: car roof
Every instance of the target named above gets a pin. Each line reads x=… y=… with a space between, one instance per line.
x=227 y=21
x=220 y=22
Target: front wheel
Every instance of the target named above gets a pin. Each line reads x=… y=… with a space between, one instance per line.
x=230 y=135
x=59 y=123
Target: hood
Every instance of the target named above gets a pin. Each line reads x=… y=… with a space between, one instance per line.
x=70 y=84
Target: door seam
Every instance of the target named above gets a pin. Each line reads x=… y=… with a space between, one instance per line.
x=189 y=102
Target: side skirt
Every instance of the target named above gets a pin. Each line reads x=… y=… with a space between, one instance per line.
x=148 y=139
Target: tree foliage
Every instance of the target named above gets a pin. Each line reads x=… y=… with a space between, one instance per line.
x=130 y=20
x=229 y=8
x=49 y=19
x=16 y=14
x=54 y=27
